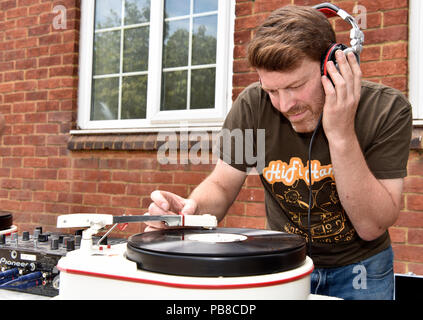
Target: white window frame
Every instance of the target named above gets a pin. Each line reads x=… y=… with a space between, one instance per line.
x=156 y=120
x=415 y=41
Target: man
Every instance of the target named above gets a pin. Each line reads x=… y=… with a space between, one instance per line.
x=358 y=162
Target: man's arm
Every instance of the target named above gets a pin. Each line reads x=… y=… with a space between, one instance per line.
x=212 y=196
x=219 y=190
x=372 y=205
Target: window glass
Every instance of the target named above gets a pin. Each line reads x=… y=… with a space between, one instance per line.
x=189 y=45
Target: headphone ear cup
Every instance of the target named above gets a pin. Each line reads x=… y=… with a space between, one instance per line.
x=330 y=56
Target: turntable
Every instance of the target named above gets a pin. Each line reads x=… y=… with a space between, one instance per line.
x=6 y=223
x=198 y=262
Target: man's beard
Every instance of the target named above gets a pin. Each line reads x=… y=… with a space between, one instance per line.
x=305 y=125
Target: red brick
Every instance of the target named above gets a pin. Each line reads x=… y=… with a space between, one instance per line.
x=33 y=207
x=243 y=9
x=394 y=33
x=89 y=163
x=46 y=174
x=140 y=189
x=11 y=184
x=192 y=178
x=237 y=209
x=156 y=177
x=97 y=200
x=269 y=5
x=85 y=187
x=25 y=173
x=398 y=235
x=255 y=209
x=39 y=30
x=415 y=202
x=395 y=51
x=125 y=176
x=125 y=201
x=249 y=22
x=400 y=267
x=57 y=186
x=35 y=162
x=413 y=184
x=54 y=208
x=416 y=268
x=415 y=236
x=251 y=195
x=408 y=253
x=410 y=219
x=244 y=222
x=94 y=175
x=112 y=188
x=395 y=17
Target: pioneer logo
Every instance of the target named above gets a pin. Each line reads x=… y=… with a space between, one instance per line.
x=6 y=262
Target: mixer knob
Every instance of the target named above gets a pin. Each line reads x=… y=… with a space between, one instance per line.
x=25 y=236
x=70 y=245
x=43 y=237
x=54 y=245
x=2 y=239
x=15 y=238
x=36 y=234
x=78 y=240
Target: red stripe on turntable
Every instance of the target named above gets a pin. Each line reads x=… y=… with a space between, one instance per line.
x=184 y=285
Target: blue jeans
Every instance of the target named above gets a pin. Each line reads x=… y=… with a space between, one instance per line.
x=370 y=279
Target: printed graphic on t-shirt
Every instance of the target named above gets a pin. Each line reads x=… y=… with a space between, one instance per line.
x=290 y=184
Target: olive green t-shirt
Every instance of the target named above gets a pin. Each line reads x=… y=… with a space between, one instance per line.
x=280 y=155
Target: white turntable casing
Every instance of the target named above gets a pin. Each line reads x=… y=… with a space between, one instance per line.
x=190 y=264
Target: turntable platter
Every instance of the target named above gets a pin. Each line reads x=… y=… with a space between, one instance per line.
x=6 y=220
x=226 y=252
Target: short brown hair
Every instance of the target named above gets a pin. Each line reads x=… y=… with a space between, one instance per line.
x=287 y=36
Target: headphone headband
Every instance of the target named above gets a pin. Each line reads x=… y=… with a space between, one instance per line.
x=356 y=35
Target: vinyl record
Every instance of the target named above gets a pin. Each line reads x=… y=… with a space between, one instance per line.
x=217 y=252
x=6 y=220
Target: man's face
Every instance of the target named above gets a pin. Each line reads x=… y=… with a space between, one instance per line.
x=297 y=94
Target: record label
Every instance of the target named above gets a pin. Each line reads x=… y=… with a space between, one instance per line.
x=216 y=252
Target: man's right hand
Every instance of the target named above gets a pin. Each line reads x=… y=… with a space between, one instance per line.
x=167 y=203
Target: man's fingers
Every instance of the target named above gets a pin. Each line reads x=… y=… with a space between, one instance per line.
x=155 y=210
x=190 y=207
x=160 y=200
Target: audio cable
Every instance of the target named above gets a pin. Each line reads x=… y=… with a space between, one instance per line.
x=30 y=279
x=8 y=275
x=310 y=185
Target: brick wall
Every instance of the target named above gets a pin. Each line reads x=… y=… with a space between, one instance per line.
x=44 y=174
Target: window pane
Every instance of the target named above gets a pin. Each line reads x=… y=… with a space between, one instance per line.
x=175 y=49
x=106 y=52
x=176 y=8
x=204 y=40
x=202 y=88
x=205 y=5
x=108 y=13
x=135 y=52
x=137 y=11
x=134 y=97
x=105 y=99
x=174 y=90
